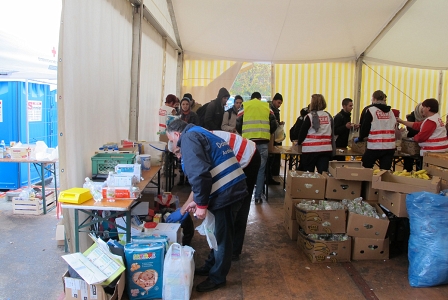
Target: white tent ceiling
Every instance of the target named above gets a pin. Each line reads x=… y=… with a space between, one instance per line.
x=298 y=31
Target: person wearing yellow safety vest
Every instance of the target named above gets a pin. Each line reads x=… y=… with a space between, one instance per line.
x=257 y=123
x=378 y=126
x=316 y=137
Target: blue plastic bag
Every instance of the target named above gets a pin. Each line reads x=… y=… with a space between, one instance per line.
x=428 y=242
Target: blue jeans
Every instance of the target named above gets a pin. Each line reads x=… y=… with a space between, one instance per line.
x=263 y=150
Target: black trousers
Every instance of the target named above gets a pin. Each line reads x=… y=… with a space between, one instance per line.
x=309 y=161
x=385 y=158
x=251 y=172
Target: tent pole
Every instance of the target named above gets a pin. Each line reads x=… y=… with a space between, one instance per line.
x=135 y=73
x=358 y=86
x=28 y=130
x=440 y=92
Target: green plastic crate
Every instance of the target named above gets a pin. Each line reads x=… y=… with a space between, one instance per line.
x=102 y=163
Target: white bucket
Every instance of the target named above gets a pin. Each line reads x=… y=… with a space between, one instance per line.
x=145 y=161
x=156 y=150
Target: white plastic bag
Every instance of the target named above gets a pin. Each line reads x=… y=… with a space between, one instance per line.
x=178 y=273
x=279 y=135
x=207 y=228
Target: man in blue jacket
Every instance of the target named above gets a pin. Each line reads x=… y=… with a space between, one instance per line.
x=219 y=186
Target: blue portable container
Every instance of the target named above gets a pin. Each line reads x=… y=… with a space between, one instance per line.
x=13 y=126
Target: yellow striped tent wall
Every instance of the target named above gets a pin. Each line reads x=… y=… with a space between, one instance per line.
x=203 y=78
x=297 y=82
x=405 y=87
x=202 y=72
x=443 y=107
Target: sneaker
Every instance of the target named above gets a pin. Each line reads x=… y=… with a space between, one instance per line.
x=208 y=285
x=202 y=271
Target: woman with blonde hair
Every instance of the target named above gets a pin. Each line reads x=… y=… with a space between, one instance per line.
x=316 y=137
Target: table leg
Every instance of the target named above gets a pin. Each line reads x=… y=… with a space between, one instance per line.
x=55 y=184
x=158 y=182
x=284 y=170
x=128 y=226
x=42 y=175
x=76 y=230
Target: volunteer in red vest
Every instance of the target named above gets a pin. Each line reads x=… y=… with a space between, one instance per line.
x=432 y=136
x=247 y=155
x=378 y=126
x=316 y=137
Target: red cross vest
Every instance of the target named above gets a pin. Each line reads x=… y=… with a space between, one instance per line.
x=319 y=141
x=438 y=141
x=382 y=131
x=243 y=148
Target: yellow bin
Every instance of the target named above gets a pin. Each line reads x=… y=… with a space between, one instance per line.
x=75 y=196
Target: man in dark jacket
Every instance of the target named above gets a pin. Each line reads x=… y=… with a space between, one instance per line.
x=274 y=159
x=378 y=127
x=219 y=186
x=294 y=131
x=342 y=123
x=215 y=110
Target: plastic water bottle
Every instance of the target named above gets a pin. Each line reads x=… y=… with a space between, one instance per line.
x=110 y=192
x=2 y=149
x=88 y=184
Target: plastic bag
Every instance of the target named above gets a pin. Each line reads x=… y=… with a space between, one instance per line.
x=279 y=134
x=178 y=272
x=207 y=228
x=428 y=245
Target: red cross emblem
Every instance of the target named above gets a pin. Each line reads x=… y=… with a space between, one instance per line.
x=54 y=52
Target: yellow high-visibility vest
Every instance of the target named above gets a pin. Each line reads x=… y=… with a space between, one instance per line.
x=256 y=120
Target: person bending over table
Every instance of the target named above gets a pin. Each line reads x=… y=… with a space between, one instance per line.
x=219 y=186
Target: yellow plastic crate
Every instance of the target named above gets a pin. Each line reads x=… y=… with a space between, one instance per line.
x=75 y=196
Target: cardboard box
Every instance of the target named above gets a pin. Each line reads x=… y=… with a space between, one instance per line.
x=325 y=251
x=97 y=265
x=60 y=234
x=368 y=193
x=436 y=158
x=341 y=188
x=410 y=147
x=289 y=206
x=359 y=147
x=24 y=151
x=385 y=180
x=78 y=289
x=350 y=170
x=322 y=221
x=367 y=227
x=303 y=187
x=171 y=230
x=291 y=226
x=368 y=249
x=395 y=202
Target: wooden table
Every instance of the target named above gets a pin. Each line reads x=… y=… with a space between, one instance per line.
x=119 y=207
x=91 y=208
x=148 y=177
x=45 y=165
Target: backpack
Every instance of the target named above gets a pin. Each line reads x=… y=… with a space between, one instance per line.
x=201 y=113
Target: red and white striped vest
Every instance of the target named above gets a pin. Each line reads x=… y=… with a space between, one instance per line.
x=438 y=141
x=243 y=148
x=319 y=141
x=382 y=131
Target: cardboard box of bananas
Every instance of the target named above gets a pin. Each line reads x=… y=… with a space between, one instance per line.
x=422 y=174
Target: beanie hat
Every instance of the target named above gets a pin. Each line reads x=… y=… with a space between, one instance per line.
x=189 y=96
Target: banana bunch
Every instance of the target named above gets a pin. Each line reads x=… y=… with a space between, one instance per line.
x=422 y=174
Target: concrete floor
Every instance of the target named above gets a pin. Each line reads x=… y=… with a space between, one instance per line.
x=271 y=265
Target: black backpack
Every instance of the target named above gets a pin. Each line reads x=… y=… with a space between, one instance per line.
x=201 y=113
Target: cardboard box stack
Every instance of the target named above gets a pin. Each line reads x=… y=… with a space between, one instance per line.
x=300 y=185
x=437 y=165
